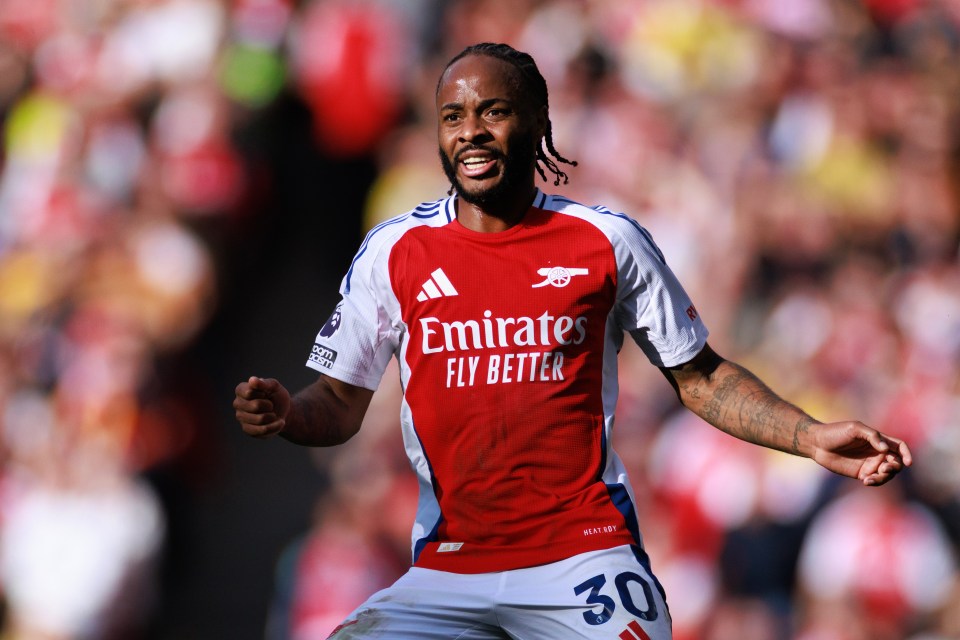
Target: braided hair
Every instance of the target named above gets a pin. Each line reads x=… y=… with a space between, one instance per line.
x=537 y=87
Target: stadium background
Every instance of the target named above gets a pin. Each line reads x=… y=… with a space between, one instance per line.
x=183 y=183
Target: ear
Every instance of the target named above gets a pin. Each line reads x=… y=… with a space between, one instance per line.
x=543 y=118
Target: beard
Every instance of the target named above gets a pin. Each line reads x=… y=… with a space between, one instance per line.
x=517 y=171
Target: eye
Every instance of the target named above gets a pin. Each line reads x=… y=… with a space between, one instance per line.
x=451 y=117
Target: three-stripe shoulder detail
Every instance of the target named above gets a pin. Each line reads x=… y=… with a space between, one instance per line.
x=604 y=211
x=438 y=212
x=422 y=212
x=428 y=209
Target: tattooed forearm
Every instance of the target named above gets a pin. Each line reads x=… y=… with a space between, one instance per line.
x=723 y=397
x=736 y=401
x=802 y=427
x=757 y=415
x=742 y=405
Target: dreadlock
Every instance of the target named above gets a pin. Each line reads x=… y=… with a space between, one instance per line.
x=537 y=86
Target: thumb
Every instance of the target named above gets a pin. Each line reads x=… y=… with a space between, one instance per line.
x=877 y=440
x=856 y=430
x=267 y=385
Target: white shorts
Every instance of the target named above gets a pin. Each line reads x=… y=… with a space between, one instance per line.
x=602 y=594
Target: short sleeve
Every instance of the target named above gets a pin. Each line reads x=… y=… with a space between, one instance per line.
x=652 y=306
x=356 y=342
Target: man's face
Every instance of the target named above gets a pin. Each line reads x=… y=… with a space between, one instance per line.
x=488 y=130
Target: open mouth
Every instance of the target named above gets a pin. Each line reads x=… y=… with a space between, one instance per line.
x=475 y=166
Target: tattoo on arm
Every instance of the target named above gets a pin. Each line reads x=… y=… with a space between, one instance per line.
x=802 y=426
x=745 y=407
x=723 y=397
x=757 y=414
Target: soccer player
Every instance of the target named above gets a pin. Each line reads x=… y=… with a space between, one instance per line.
x=505 y=308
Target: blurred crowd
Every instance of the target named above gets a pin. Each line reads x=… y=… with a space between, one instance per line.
x=798 y=161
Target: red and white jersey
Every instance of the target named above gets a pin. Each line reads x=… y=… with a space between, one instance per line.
x=507 y=344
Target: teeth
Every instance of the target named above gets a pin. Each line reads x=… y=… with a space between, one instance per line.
x=476 y=161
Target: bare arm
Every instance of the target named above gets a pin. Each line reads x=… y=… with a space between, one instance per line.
x=326 y=413
x=735 y=401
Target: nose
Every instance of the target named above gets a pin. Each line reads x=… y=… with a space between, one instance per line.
x=473 y=129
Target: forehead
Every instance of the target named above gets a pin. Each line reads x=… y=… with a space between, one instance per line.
x=479 y=77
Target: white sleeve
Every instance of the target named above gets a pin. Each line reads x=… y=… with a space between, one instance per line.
x=652 y=305
x=357 y=341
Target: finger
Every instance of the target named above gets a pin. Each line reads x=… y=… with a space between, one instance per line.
x=249 y=406
x=889 y=468
x=264 y=431
x=898 y=452
x=876 y=480
x=904 y=451
x=256 y=405
x=244 y=390
x=250 y=389
x=256 y=387
x=884 y=473
x=897 y=447
x=881 y=475
x=897 y=460
x=870 y=468
x=256 y=419
x=892 y=466
x=876 y=440
x=266 y=385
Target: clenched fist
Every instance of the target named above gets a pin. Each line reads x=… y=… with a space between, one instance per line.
x=261 y=406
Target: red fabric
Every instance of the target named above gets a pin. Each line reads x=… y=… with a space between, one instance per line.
x=514 y=495
x=206 y=180
x=890 y=12
x=351 y=74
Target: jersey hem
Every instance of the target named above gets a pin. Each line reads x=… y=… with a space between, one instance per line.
x=473 y=559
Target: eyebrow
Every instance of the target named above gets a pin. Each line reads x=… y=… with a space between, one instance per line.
x=489 y=102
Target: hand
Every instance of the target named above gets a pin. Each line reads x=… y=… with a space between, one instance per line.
x=855 y=450
x=262 y=405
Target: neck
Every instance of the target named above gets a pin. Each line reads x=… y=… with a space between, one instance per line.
x=498 y=216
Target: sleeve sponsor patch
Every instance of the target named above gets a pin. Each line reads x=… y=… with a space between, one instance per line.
x=324 y=356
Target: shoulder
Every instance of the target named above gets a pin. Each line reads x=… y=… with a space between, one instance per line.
x=382 y=237
x=428 y=214
x=621 y=229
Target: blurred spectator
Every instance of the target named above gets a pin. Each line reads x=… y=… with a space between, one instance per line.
x=880 y=555
x=351 y=62
x=81 y=538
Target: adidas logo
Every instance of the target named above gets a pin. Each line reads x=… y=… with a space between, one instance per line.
x=437 y=286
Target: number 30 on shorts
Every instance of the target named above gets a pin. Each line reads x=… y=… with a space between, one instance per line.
x=622 y=582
